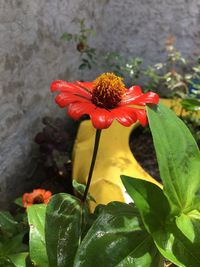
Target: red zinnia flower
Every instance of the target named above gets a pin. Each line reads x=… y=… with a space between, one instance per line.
x=104 y=100
x=38 y=196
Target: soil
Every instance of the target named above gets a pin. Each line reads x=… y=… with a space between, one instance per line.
x=141 y=145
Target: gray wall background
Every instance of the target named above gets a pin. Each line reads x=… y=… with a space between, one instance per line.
x=32 y=56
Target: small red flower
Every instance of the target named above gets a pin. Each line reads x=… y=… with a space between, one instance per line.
x=104 y=100
x=38 y=196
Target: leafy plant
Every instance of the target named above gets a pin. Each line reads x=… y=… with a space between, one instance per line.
x=130 y=70
x=169 y=77
x=13 y=249
x=88 y=54
x=167 y=224
x=171 y=215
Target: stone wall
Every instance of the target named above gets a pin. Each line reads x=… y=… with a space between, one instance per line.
x=32 y=55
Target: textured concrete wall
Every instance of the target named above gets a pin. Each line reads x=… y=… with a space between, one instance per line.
x=32 y=55
x=140 y=27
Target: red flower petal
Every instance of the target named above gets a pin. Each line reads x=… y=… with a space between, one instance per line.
x=134 y=91
x=87 y=85
x=64 y=99
x=47 y=196
x=136 y=97
x=141 y=116
x=149 y=97
x=78 y=109
x=68 y=87
x=124 y=115
x=78 y=97
x=101 y=118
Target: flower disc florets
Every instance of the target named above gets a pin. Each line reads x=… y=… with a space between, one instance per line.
x=38 y=199
x=108 y=90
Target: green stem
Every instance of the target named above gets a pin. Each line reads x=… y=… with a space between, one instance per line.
x=96 y=145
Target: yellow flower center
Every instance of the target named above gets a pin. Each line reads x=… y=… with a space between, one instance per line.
x=108 y=90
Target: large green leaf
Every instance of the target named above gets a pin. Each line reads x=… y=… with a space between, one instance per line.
x=12 y=245
x=5 y=262
x=175 y=246
x=8 y=223
x=150 y=200
x=19 y=260
x=178 y=158
x=191 y=104
x=36 y=218
x=63 y=229
x=177 y=238
x=117 y=238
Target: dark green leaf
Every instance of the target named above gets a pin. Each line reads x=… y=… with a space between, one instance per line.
x=85 y=60
x=36 y=218
x=12 y=245
x=83 y=66
x=66 y=36
x=5 y=262
x=80 y=189
x=63 y=229
x=150 y=200
x=178 y=158
x=117 y=238
x=19 y=260
x=18 y=201
x=176 y=246
x=191 y=104
x=7 y=222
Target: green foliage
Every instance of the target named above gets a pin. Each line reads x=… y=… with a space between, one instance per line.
x=63 y=229
x=18 y=201
x=168 y=78
x=117 y=238
x=191 y=104
x=180 y=172
x=163 y=224
x=88 y=54
x=116 y=63
x=171 y=216
x=37 y=246
x=146 y=197
x=19 y=259
x=80 y=189
x=12 y=233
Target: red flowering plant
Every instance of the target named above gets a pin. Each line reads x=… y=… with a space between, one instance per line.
x=104 y=100
x=162 y=224
x=37 y=196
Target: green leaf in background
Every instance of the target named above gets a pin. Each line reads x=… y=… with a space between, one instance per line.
x=117 y=238
x=19 y=260
x=8 y=223
x=18 y=201
x=36 y=218
x=12 y=245
x=63 y=228
x=179 y=163
x=181 y=244
x=80 y=189
x=176 y=246
x=5 y=262
x=178 y=158
x=191 y=104
x=66 y=36
x=150 y=201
